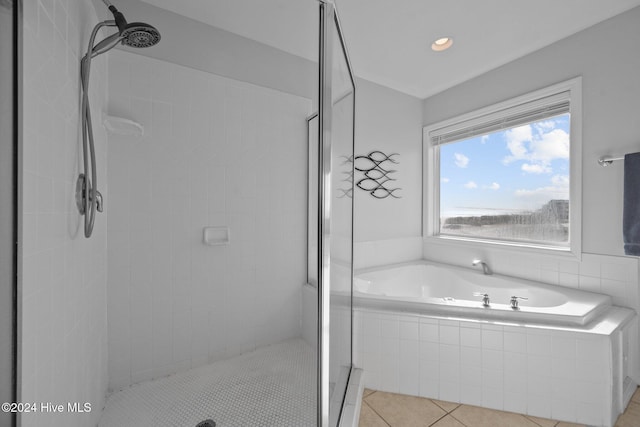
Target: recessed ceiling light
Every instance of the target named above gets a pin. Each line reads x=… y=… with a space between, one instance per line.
x=441 y=44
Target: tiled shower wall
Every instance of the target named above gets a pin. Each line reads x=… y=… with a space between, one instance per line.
x=63 y=275
x=215 y=152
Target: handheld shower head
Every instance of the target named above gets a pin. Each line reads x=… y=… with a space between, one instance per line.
x=140 y=34
x=135 y=34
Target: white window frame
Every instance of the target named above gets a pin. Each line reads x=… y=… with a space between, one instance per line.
x=431 y=172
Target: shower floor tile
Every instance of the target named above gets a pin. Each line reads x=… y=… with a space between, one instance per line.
x=271 y=386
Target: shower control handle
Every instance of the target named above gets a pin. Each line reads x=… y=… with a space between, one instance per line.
x=485 y=298
x=514 y=301
x=99 y=202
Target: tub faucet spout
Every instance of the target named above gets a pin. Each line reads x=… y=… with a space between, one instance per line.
x=485 y=267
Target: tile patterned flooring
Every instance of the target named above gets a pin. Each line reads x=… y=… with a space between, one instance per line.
x=271 y=386
x=381 y=409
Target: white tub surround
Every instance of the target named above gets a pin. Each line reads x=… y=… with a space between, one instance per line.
x=574 y=373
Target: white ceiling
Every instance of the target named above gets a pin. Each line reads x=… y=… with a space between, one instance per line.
x=389 y=41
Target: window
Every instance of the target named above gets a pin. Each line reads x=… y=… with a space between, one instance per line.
x=508 y=174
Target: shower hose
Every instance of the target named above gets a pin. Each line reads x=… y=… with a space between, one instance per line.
x=88 y=198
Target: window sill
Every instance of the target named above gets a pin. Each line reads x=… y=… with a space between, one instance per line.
x=498 y=246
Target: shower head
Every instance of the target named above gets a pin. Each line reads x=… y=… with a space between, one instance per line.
x=135 y=34
x=140 y=34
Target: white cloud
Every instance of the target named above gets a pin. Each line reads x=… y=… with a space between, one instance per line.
x=493 y=186
x=559 y=189
x=536 y=168
x=546 y=125
x=549 y=146
x=484 y=139
x=560 y=180
x=444 y=180
x=471 y=185
x=537 y=148
x=461 y=160
x=516 y=140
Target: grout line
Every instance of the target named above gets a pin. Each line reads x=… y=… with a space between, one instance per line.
x=370 y=394
x=454 y=417
x=376 y=412
x=533 y=421
x=444 y=416
x=444 y=409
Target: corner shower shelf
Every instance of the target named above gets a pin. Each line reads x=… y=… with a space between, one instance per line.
x=122 y=126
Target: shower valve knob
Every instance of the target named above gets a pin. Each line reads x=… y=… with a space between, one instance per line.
x=99 y=201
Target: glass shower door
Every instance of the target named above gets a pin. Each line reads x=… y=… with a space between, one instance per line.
x=335 y=272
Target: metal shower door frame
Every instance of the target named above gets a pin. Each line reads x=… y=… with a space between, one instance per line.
x=329 y=22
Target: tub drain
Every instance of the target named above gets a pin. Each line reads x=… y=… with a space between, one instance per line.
x=206 y=423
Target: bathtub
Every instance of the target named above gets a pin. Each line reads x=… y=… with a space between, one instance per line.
x=441 y=289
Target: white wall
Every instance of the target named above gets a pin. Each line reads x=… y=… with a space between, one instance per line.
x=604 y=56
x=610 y=126
x=204 y=47
x=63 y=275
x=388 y=230
x=215 y=152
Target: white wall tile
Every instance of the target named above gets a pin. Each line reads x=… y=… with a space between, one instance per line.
x=506 y=376
x=563 y=347
x=471 y=395
x=492 y=359
x=515 y=342
x=471 y=356
x=449 y=335
x=539 y=344
x=563 y=409
x=492 y=339
x=589 y=284
x=429 y=331
x=470 y=375
x=470 y=337
x=409 y=330
x=449 y=354
x=202 y=131
x=63 y=306
x=389 y=328
x=493 y=398
x=449 y=391
x=589 y=414
x=515 y=402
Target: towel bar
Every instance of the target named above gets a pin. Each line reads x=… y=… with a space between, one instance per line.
x=606 y=161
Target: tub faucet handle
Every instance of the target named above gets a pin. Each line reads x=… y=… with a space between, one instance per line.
x=485 y=298
x=514 y=301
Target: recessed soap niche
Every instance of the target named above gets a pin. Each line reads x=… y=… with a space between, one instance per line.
x=216 y=236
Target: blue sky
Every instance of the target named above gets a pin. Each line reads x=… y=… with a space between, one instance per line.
x=508 y=171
